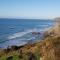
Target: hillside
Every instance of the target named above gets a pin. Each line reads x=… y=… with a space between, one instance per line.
x=47 y=49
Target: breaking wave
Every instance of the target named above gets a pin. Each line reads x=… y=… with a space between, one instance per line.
x=20 y=34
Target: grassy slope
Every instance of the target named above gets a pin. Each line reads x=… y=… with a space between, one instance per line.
x=47 y=49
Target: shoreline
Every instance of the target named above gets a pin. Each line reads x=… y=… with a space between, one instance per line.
x=36 y=24
x=44 y=49
x=48 y=43
x=29 y=42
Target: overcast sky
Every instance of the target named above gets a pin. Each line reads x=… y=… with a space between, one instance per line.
x=29 y=8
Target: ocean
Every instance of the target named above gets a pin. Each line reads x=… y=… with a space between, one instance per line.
x=19 y=31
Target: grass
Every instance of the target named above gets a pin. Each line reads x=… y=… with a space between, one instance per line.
x=47 y=47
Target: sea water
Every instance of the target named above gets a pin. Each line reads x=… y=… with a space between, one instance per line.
x=19 y=31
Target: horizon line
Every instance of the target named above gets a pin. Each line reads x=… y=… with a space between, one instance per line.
x=25 y=18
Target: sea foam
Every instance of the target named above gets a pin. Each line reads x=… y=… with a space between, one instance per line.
x=20 y=34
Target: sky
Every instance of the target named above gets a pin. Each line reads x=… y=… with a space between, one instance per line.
x=29 y=8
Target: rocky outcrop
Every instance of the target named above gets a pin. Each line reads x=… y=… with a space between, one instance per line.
x=36 y=33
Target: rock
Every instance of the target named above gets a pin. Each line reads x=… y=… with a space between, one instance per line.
x=35 y=33
x=14 y=47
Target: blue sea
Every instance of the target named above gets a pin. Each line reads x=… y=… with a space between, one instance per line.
x=19 y=31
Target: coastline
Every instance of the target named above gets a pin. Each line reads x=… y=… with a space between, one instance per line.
x=45 y=49
x=16 y=35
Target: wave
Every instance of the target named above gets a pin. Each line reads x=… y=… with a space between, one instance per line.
x=20 y=34
x=43 y=25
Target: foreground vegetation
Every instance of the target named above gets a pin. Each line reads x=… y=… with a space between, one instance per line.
x=46 y=49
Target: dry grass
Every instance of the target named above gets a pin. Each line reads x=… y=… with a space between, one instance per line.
x=47 y=49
